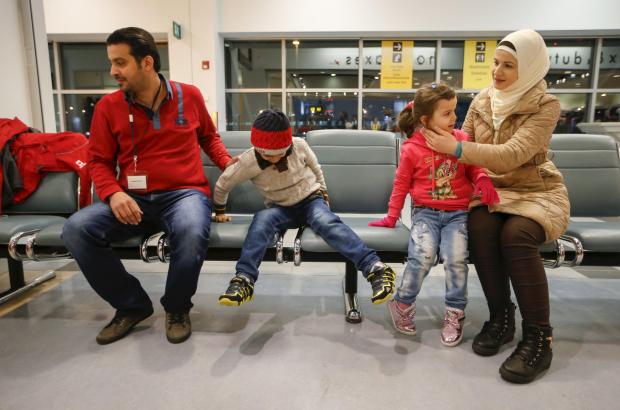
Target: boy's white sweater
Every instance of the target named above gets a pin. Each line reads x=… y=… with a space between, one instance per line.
x=302 y=178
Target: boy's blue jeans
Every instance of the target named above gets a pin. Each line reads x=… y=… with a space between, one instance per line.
x=433 y=230
x=184 y=214
x=313 y=212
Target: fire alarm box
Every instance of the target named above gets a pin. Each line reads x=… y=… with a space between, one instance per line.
x=205 y=64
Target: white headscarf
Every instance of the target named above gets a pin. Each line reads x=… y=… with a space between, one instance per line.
x=533 y=64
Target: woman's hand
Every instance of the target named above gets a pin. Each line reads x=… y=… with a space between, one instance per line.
x=440 y=141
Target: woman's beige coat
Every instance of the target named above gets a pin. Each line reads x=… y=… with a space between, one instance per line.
x=527 y=182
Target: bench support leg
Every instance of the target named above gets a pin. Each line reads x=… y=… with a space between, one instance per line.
x=352 y=313
x=18 y=284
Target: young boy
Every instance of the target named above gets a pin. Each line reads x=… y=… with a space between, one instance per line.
x=288 y=175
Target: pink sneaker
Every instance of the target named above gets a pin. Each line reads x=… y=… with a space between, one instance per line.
x=453 y=323
x=404 y=320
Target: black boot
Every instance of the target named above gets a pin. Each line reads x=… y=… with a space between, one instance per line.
x=531 y=357
x=495 y=332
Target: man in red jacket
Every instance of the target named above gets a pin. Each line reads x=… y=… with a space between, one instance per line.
x=152 y=129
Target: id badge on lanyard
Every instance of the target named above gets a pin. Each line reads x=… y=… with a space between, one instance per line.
x=136 y=178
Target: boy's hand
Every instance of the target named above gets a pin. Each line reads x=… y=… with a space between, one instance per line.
x=221 y=218
x=232 y=161
x=325 y=196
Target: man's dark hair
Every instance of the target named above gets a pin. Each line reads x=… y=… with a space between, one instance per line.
x=141 y=43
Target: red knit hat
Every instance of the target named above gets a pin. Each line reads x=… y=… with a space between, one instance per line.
x=271 y=133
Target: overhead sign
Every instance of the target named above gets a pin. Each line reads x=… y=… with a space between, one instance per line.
x=176 y=30
x=478 y=63
x=396 y=64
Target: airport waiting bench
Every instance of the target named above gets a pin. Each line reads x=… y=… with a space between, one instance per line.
x=590 y=165
x=359 y=167
x=54 y=201
x=352 y=161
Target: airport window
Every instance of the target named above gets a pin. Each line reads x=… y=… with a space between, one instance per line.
x=571 y=64
x=242 y=108
x=253 y=64
x=322 y=64
x=79 y=110
x=380 y=110
x=574 y=109
x=609 y=73
x=50 y=50
x=325 y=87
x=80 y=77
x=452 y=63
x=607 y=107
x=320 y=110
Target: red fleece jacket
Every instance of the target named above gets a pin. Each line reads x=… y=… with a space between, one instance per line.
x=435 y=180
x=168 y=150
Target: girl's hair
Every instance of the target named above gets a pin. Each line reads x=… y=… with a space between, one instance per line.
x=410 y=118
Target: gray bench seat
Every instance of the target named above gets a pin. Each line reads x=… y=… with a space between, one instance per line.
x=55 y=199
x=381 y=239
x=590 y=165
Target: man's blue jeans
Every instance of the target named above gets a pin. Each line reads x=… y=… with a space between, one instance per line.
x=433 y=230
x=184 y=214
x=313 y=212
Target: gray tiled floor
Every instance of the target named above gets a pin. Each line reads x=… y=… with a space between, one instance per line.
x=291 y=349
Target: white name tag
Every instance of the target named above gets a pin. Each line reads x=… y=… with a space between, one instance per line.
x=136 y=181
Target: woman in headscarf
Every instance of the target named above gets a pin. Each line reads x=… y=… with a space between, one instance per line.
x=511 y=123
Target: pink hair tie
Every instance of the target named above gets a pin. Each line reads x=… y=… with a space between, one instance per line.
x=409 y=105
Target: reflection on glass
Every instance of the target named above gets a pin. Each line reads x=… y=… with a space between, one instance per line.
x=322 y=64
x=463 y=101
x=607 y=107
x=315 y=111
x=573 y=111
x=79 y=109
x=380 y=110
x=452 y=63
x=50 y=50
x=253 y=64
x=57 y=113
x=242 y=108
x=609 y=74
x=571 y=63
x=86 y=66
x=424 y=59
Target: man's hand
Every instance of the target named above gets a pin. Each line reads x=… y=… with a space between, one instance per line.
x=221 y=218
x=232 y=161
x=125 y=208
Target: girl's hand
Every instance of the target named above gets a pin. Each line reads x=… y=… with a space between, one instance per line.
x=221 y=218
x=387 y=222
x=486 y=191
x=440 y=140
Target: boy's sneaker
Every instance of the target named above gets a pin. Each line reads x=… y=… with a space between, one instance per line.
x=453 y=323
x=240 y=290
x=403 y=319
x=381 y=278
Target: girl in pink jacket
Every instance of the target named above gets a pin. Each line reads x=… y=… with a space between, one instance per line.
x=441 y=189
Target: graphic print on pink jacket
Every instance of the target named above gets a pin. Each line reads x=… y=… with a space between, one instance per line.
x=434 y=180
